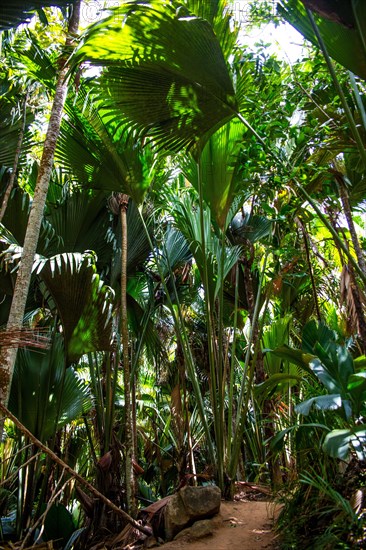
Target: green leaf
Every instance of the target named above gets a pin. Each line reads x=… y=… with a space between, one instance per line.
x=343 y=30
x=276 y=382
x=83 y=302
x=295 y=356
x=338 y=443
x=58 y=525
x=44 y=394
x=166 y=76
x=15 y=12
x=323 y=402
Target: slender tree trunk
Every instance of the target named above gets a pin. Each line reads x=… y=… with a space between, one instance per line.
x=307 y=251
x=130 y=479
x=351 y=226
x=16 y=159
x=15 y=321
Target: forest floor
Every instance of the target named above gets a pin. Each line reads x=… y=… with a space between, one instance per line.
x=243 y=524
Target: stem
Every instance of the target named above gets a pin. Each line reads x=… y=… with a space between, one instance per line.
x=307 y=252
x=238 y=431
x=74 y=474
x=183 y=338
x=358 y=99
x=232 y=369
x=214 y=386
x=130 y=477
x=350 y=119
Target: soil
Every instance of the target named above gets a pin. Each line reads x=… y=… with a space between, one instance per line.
x=241 y=525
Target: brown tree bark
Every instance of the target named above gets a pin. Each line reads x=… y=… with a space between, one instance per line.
x=129 y=443
x=15 y=321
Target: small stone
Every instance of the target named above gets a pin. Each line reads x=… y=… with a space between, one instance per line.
x=199 y=530
x=150 y=542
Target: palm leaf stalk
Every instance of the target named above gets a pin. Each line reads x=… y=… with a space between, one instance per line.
x=183 y=338
x=231 y=419
x=356 y=93
x=215 y=368
x=15 y=320
x=347 y=110
x=245 y=387
x=130 y=477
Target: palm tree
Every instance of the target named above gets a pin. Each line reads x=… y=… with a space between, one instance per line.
x=15 y=321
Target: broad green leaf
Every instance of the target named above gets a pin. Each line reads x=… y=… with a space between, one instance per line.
x=219 y=165
x=295 y=356
x=277 y=382
x=15 y=12
x=338 y=443
x=83 y=302
x=322 y=402
x=166 y=76
x=44 y=394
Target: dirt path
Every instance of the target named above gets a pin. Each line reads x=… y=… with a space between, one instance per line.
x=239 y=526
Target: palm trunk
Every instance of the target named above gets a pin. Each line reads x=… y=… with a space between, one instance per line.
x=15 y=321
x=351 y=226
x=16 y=159
x=129 y=444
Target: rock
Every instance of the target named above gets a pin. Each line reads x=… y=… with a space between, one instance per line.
x=175 y=516
x=199 y=529
x=189 y=505
x=201 y=502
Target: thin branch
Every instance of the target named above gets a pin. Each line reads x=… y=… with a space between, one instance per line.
x=146 y=530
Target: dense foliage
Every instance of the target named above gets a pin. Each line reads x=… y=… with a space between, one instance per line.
x=195 y=308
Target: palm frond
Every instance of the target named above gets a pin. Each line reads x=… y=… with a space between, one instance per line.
x=44 y=394
x=83 y=302
x=166 y=74
x=219 y=165
x=342 y=28
x=15 y=12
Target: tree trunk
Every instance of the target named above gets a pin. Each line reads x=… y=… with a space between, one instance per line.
x=16 y=159
x=129 y=444
x=351 y=226
x=15 y=321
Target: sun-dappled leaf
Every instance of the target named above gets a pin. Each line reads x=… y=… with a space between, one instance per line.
x=338 y=443
x=83 y=302
x=322 y=402
x=166 y=73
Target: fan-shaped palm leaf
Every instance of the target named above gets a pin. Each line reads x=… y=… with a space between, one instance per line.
x=44 y=395
x=188 y=222
x=91 y=148
x=219 y=169
x=83 y=302
x=176 y=86
x=81 y=222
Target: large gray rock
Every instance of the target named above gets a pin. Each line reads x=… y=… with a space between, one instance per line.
x=201 y=502
x=189 y=505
